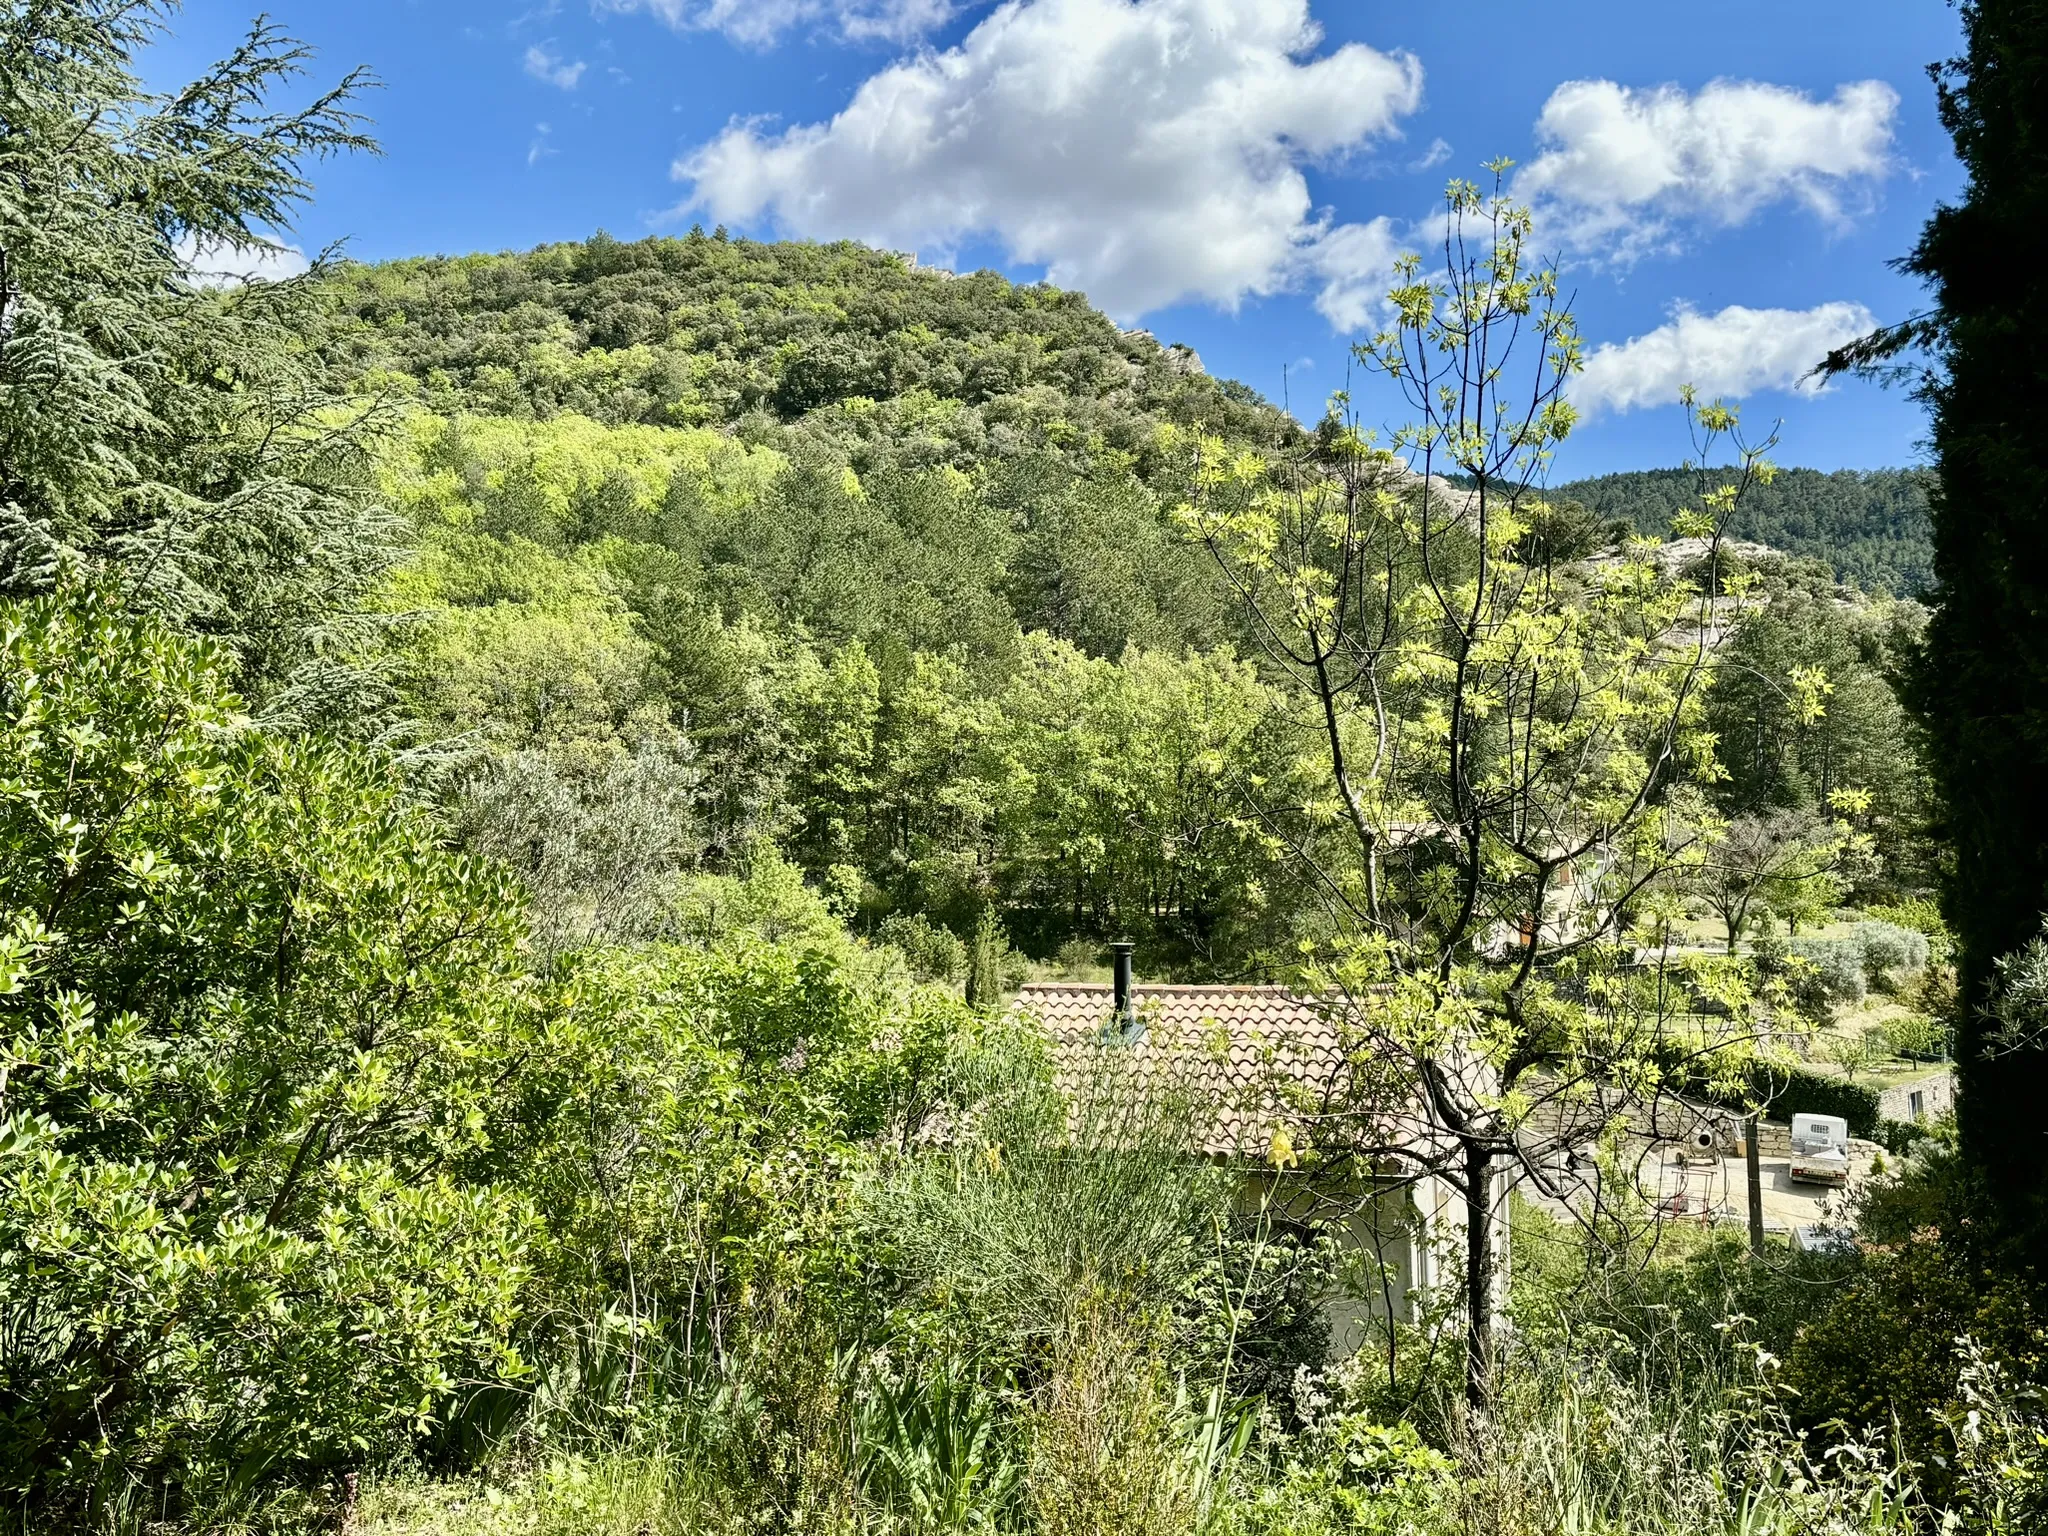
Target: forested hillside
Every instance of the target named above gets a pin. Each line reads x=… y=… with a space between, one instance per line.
x=711 y=330
x=808 y=547
x=864 y=552
x=529 y=784
x=1870 y=525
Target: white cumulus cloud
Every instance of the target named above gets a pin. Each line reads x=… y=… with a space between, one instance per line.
x=1147 y=151
x=761 y=22
x=1438 y=152
x=1355 y=266
x=1735 y=352
x=1622 y=170
x=545 y=65
x=211 y=263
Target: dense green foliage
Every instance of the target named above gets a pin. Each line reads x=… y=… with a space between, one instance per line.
x=1976 y=687
x=774 y=516
x=526 y=783
x=301 y=1154
x=262 y=1036
x=180 y=439
x=865 y=697
x=1983 y=692
x=1870 y=527
x=946 y=645
x=706 y=331
x=1805 y=707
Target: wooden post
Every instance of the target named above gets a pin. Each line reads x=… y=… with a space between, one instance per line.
x=1756 y=1184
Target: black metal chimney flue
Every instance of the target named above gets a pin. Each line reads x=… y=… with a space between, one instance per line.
x=1126 y=1004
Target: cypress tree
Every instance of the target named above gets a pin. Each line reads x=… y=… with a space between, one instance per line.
x=1982 y=685
x=985 y=961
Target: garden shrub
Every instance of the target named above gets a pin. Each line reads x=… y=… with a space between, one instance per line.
x=932 y=952
x=1898 y=1136
x=1916 y=1036
x=1867 y=957
x=262 y=1040
x=1922 y=916
x=1349 y=1473
x=1882 y=954
x=1885 y=1349
x=1843 y=972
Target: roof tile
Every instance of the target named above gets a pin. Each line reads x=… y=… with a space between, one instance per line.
x=1268 y=1059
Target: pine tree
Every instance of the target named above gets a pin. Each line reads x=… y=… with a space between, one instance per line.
x=161 y=427
x=1982 y=689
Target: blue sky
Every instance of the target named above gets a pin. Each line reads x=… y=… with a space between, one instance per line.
x=1725 y=184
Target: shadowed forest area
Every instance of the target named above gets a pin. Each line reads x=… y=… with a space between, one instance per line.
x=542 y=796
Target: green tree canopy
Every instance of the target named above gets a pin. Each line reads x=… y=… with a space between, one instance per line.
x=175 y=438
x=1983 y=689
x=259 y=1044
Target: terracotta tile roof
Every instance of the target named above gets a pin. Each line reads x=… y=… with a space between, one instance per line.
x=1266 y=1058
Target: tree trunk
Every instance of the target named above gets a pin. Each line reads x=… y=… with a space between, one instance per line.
x=1479 y=1278
x=1752 y=1159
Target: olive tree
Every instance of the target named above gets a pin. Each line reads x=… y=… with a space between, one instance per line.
x=1792 y=864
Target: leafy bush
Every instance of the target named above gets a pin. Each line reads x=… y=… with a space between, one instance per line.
x=1916 y=1036
x=1867 y=957
x=2018 y=1013
x=1840 y=966
x=1998 y=1426
x=933 y=953
x=1348 y=1473
x=1923 y=917
x=596 y=839
x=1882 y=954
x=263 y=1037
x=1892 y=1339
x=1897 y=948
x=1884 y=1350
x=1899 y=1136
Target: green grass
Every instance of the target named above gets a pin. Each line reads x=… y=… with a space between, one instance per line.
x=613 y=1494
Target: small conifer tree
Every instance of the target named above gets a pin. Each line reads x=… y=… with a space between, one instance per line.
x=985 y=961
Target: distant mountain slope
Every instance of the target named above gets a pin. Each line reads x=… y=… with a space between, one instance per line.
x=704 y=330
x=844 y=353
x=1870 y=525
x=827 y=441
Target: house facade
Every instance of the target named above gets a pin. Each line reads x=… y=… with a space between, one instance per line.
x=1267 y=1075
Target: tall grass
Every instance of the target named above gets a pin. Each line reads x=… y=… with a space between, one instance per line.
x=1102 y=1438
x=1059 y=1233
x=1049 y=1367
